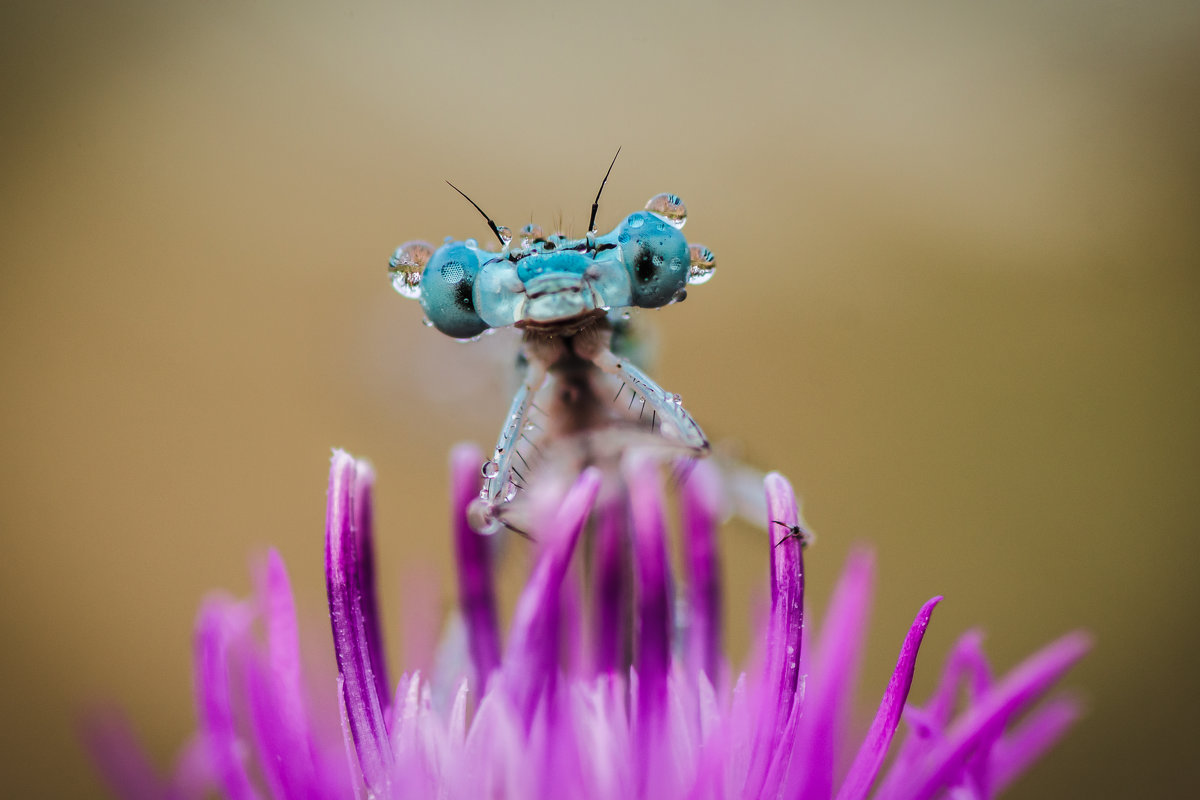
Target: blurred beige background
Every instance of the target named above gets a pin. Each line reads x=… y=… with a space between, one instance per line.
x=957 y=304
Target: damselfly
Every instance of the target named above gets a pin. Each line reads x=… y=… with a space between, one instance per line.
x=570 y=298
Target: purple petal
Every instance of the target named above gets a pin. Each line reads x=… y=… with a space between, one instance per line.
x=1037 y=734
x=652 y=655
x=476 y=596
x=833 y=677
x=570 y=621
x=781 y=763
x=784 y=632
x=967 y=661
x=276 y=698
x=927 y=724
x=348 y=741
x=364 y=710
x=192 y=776
x=871 y=754
x=611 y=584
x=121 y=760
x=1018 y=690
x=530 y=662
x=283 y=635
x=699 y=511
x=363 y=508
x=285 y=761
x=220 y=621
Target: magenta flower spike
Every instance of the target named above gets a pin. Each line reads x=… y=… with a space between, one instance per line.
x=349 y=610
x=476 y=597
x=700 y=512
x=609 y=684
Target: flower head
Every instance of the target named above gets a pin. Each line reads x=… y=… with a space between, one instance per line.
x=620 y=691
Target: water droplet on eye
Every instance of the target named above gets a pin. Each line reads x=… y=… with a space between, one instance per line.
x=490 y=469
x=427 y=322
x=529 y=233
x=657 y=260
x=623 y=237
x=406 y=265
x=637 y=222
x=472 y=243
x=704 y=263
x=669 y=207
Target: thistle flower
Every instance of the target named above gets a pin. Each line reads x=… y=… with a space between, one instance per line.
x=611 y=698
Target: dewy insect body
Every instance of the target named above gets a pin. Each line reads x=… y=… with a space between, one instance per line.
x=569 y=297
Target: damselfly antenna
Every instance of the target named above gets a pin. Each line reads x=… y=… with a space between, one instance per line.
x=591 y=228
x=503 y=242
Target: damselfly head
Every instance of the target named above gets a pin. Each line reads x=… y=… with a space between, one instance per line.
x=644 y=262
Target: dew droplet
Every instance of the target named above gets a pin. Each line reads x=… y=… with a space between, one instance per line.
x=406 y=265
x=668 y=207
x=529 y=233
x=505 y=234
x=704 y=263
x=637 y=222
x=490 y=469
x=407 y=284
x=481 y=519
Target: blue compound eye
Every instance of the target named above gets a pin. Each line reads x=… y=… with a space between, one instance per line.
x=447 y=286
x=656 y=257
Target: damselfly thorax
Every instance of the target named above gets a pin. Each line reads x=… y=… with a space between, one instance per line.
x=569 y=298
